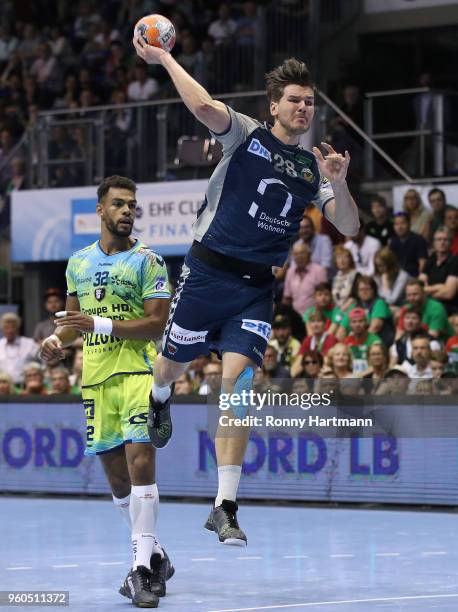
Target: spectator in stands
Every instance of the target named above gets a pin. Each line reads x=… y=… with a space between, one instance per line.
x=60 y=382
x=343 y=283
x=363 y=248
x=211 y=385
x=308 y=367
x=46 y=69
x=433 y=314
x=447 y=384
x=401 y=350
x=360 y=339
x=320 y=245
x=395 y=382
x=338 y=362
x=376 y=309
x=6 y=384
x=190 y=58
x=381 y=227
x=15 y=350
x=323 y=304
x=391 y=280
x=439 y=361
x=222 y=29
x=421 y=367
x=419 y=215
x=410 y=248
x=183 y=385
x=247 y=26
x=301 y=280
x=53 y=303
x=143 y=87
x=77 y=369
x=34 y=380
x=274 y=374
x=440 y=272
x=28 y=43
x=377 y=360
x=318 y=340
x=196 y=369
x=6 y=145
x=437 y=201
x=285 y=344
x=8 y=43
x=451 y=223
x=451 y=347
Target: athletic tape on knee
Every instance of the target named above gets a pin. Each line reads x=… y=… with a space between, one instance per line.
x=244 y=382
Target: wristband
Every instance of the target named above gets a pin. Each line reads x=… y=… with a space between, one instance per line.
x=103 y=325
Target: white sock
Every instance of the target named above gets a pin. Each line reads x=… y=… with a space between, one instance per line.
x=161 y=394
x=228 y=483
x=122 y=503
x=144 y=506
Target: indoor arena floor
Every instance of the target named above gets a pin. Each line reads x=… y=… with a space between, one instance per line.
x=297 y=559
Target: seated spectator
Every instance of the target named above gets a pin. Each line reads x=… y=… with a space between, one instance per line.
x=60 y=382
x=247 y=25
x=401 y=350
x=320 y=245
x=363 y=248
x=376 y=309
x=419 y=215
x=301 y=280
x=76 y=375
x=447 y=384
x=437 y=201
x=395 y=382
x=440 y=272
x=183 y=385
x=319 y=339
x=34 y=380
x=196 y=370
x=6 y=384
x=46 y=69
x=297 y=323
x=324 y=305
x=360 y=339
x=223 y=28
x=343 y=283
x=8 y=43
x=439 y=361
x=421 y=356
x=143 y=87
x=274 y=374
x=211 y=384
x=451 y=348
x=338 y=362
x=283 y=341
x=411 y=249
x=377 y=360
x=28 y=43
x=381 y=227
x=15 y=350
x=53 y=303
x=307 y=366
x=433 y=314
x=451 y=223
x=190 y=57
x=390 y=279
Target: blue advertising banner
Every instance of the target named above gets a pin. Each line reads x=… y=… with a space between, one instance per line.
x=50 y=224
x=42 y=450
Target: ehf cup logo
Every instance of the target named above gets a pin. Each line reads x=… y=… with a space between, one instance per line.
x=99 y=294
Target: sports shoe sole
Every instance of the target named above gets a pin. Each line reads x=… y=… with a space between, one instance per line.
x=228 y=541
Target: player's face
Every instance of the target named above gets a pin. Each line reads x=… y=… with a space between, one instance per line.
x=117 y=211
x=295 y=109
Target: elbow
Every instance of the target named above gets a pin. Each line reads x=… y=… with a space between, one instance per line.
x=350 y=229
x=202 y=110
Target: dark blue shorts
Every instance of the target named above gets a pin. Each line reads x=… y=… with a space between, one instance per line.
x=215 y=310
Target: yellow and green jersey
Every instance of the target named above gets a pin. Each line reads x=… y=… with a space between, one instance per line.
x=115 y=286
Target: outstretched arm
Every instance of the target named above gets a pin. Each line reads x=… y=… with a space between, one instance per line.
x=341 y=211
x=211 y=113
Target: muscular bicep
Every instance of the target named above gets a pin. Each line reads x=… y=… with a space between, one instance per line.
x=157 y=309
x=72 y=303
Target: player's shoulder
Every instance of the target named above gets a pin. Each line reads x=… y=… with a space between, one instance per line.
x=145 y=253
x=83 y=253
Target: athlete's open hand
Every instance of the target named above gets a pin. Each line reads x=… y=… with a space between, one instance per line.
x=334 y=165
x=148 y=53
x=76 y=320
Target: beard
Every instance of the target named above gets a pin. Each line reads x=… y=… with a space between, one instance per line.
x=114 y=229
x=291 y=130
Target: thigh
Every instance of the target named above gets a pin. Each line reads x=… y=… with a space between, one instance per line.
x=103 y=427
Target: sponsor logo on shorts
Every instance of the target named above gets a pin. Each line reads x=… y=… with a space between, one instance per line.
x=99 y=294
x=261 y=328
x=172 y=349
x=256 y=148
x=160 y=283
x=138 y=419
x=258 y=352
x=180 y=335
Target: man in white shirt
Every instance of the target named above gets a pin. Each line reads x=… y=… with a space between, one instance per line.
x=421 y=367
x=15 y=350
x=143 y=87
x=223 y=28
x=320 y=245
x=363 y=248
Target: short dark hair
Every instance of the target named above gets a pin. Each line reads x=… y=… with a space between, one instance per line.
x=439 y=191
x=117 y=182
x=323 y=287
x=415 y=281
x=291 y=72
x=380 y=200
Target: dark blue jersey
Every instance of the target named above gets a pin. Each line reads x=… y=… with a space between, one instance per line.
x=257 y=195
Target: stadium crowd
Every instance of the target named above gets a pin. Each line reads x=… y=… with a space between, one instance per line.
x=379 y=309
